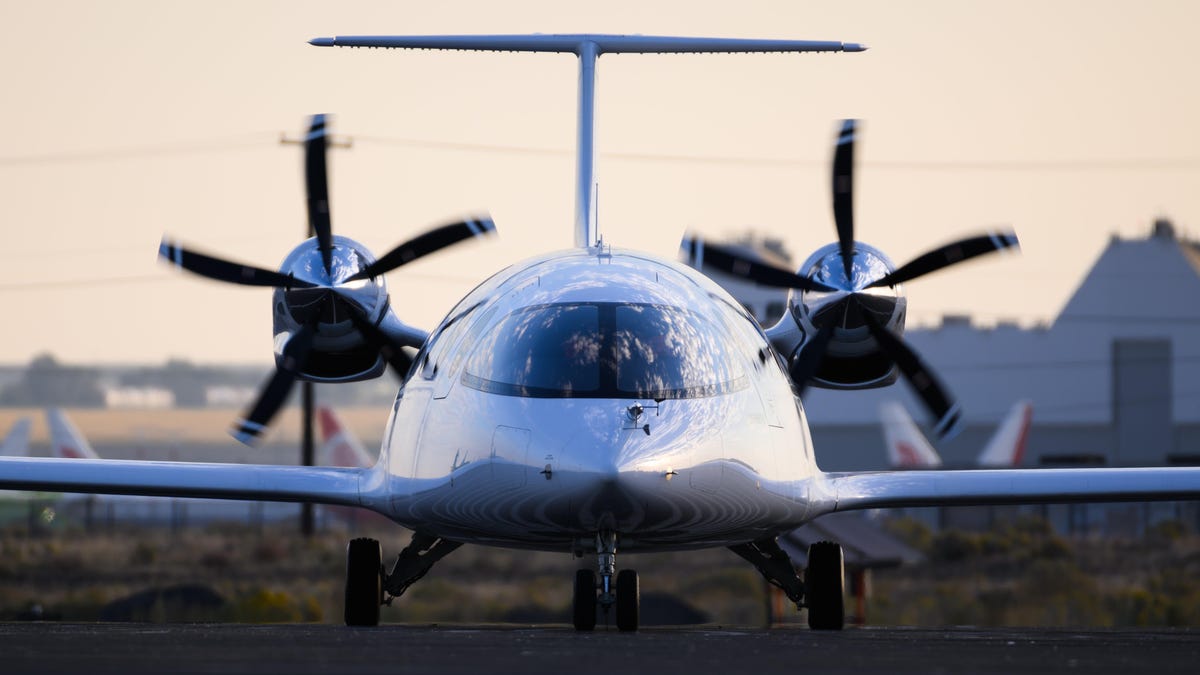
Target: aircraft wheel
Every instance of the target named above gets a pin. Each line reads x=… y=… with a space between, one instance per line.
x=364 y=582
x=629 y=598
x=585 y=600
x=824 y=586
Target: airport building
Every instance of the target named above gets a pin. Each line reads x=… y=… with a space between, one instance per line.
x=1114 y=380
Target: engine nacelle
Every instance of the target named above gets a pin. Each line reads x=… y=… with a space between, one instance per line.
x=852 y=358
x=339 y=352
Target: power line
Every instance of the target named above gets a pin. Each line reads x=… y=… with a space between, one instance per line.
x=1102 y=164
x=82 y=283
x=241 y=142
x=263 y=139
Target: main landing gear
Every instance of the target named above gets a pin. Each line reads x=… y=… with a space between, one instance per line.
x=622 y=593
x=822 y=590
x=369 y=585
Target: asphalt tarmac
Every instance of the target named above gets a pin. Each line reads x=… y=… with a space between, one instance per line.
x=194 y=648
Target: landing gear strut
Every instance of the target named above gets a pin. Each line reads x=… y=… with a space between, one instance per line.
x=623 y=592
x=368 y=585
x=774 y=564
x=823 y=587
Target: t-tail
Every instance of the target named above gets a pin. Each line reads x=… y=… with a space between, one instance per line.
x=588 y=48
x=65 y=439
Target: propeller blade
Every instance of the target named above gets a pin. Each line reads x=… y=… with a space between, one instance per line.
x=224 y=270
x=426 y=243
x=396 y=357
x=274 y=394
x=843 y=193
x=950 y=254
x=806 y=363
x=317 y=186
x=728 y=261
x=928 y=387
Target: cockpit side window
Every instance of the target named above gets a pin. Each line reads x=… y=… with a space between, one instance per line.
x=430 y=360
x=603 y=350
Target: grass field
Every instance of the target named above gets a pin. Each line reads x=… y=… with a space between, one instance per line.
x=1015 y=575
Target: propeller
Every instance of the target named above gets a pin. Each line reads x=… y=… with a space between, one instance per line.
x=316 y=187
x=327 y=296
x=425 y=244
x=274 y=394
x=728 y=260
x=843 y=195
x=850 y=303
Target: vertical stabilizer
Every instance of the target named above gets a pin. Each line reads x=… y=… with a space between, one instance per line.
x=587 y=47
x=907 y=447
x=339 y=447
x=65 y=439
x=1007 y=447
x=16 y=443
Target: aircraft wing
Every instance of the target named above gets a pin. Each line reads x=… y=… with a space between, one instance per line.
x=256 y=482
x=899 y=489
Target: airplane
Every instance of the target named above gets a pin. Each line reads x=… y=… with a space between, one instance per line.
x=907 y=447
x=595 y=400
x=16 y=443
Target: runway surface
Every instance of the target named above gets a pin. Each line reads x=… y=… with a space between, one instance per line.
x=151 y=648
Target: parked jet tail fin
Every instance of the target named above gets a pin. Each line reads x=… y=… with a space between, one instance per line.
x=907 y=447
x=339 y=447
x=16 y=443
x=65 y=439
x=1007 y=447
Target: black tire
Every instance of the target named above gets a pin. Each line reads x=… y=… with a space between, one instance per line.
x=629 y=598
x=364 y=582
x=585 y=600
x=824 y=586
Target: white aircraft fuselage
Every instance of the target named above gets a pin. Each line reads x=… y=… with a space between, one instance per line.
x=520 y=424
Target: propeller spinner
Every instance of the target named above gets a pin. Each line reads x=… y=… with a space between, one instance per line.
x=847 y=300
x=331 y=303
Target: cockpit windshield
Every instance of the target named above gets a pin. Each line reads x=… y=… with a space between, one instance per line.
x=604 y=350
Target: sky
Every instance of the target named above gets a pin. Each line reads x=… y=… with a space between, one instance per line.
x=1069 y=121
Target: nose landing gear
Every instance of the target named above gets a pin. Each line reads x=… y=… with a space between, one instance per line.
x=624 y=594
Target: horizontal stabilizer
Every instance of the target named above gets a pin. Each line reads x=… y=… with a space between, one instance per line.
x=573 y=44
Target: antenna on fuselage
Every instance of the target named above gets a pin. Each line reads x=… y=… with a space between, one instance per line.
x=587 y=48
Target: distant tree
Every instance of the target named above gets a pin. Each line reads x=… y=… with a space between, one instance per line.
x=187 y=382
x=46 y=382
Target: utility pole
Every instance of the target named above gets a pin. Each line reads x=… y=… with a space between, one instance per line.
x=308 y=390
